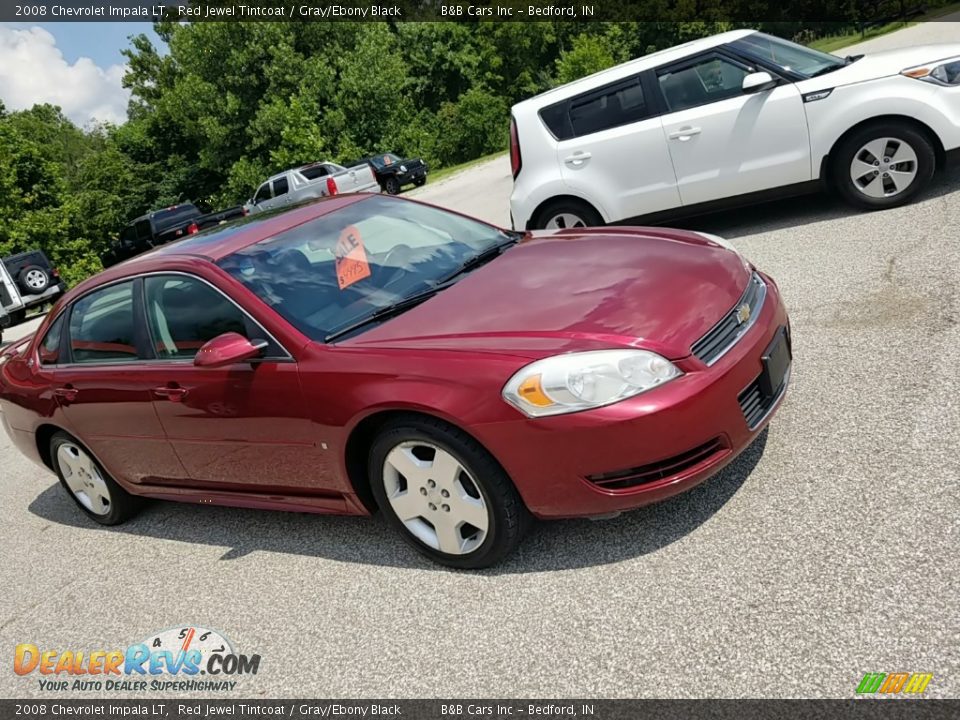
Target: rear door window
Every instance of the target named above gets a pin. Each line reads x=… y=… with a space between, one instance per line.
x=280 y=187
x=102 y=327
x=620 y=103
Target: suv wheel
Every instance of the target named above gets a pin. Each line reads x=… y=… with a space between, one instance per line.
x=445 y=494
x=883 y=165
x=392 y=186
x=34 y=279
x=563 y=214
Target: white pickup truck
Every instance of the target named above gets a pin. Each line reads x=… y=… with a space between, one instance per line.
x=311 y=181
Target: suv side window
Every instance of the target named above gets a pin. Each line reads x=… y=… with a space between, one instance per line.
x=280 y=187
x=619 y=103
x=144 y=231
x=707 y=80
x=183 y=313
x=263 y=193
x=128 y=236
x=49 y=349
x=102 y=327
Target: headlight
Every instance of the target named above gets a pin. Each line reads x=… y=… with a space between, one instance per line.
x=585 y=380
x=943 y=72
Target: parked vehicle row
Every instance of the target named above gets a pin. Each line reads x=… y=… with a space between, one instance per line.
x=734 y=119
x=162 y=226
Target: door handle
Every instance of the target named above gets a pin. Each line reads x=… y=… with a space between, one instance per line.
x=67 y=392
x=173 y=393
x=578 y=159
x=684 y=133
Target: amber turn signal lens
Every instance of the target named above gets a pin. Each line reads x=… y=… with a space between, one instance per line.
x=916 y=72
x=531 y=391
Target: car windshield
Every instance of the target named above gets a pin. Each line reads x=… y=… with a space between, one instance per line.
x=381 y=161
x=787 y=55
x=353 y=266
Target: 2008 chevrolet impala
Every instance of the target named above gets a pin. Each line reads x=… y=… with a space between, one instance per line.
x=367 y=351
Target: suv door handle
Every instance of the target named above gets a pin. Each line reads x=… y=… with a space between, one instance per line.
x=578 y=159
x=173 y=393
x=684 y=133
x=67 y=392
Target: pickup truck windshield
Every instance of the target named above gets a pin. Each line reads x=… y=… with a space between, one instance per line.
x=337 y=270
x=787 y=55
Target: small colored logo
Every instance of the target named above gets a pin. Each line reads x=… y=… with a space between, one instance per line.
x=743 y=313
x=894 y=683
x=183 y=658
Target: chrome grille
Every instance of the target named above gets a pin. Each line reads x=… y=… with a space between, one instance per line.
x=725 y=334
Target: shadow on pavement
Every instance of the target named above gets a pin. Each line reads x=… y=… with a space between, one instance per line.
x=558 y=545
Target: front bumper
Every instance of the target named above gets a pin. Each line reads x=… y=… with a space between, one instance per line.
x=674 y=437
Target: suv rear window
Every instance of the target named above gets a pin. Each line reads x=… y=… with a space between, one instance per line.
x=619 y=103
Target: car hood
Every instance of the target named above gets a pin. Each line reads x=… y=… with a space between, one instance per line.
x=881 y=64
x=578 y=290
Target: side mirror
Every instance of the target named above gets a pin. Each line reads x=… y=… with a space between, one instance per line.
x=758 y=82
x=227 y=349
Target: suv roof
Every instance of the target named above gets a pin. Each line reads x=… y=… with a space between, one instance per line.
x=632 y=67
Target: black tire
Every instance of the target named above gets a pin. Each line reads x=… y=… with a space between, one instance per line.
x=33 y=279
x=391 y=186
x=122 y=505
x=508 y=517
x=582 y=211
x=420 y=182
x=851 y=148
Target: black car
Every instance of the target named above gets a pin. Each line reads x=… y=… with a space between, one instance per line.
x=30 y=281
x=393 y=173
x=162 y=226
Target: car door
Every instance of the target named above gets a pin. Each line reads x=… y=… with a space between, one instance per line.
x=281 y=192
x=104 y=387
x=725 y=143
x=232 y=427
x=262 y=198
x=611 y=149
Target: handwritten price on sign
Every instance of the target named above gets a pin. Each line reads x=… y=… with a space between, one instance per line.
x=350 y=258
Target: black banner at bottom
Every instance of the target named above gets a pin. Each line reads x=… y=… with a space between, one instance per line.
x=859 y=709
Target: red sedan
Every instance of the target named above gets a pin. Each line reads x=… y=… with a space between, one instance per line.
x=367 y=352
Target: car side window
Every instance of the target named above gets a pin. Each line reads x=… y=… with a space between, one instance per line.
x=280 y=187
x=143 y=230
x=708 y=80
x=620 y=103
x=184 y=313
x=49 y=350
x=128 y=236
x=263 y=193
x=102 y=327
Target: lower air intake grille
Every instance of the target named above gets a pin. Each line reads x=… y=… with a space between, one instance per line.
x=661 y=469
x=755 y=404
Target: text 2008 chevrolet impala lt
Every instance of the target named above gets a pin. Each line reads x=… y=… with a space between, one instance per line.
x=367 y=352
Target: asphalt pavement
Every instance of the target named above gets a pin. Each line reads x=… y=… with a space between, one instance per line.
x=828 y=550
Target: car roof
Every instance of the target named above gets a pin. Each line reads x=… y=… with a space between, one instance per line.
x=632 y=67
x=224 y=240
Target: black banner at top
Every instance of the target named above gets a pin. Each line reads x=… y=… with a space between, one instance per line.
x=867 y=12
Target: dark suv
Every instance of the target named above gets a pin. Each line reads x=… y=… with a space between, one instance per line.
x=30 y=281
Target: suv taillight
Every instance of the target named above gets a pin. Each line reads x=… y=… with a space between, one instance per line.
x=193 y=228
x=516 y=162
x=332 y=186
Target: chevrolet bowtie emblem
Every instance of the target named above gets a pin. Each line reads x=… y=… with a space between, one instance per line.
x=743 y=313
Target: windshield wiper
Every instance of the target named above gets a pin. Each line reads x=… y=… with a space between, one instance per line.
x=385 y=312
x=484 y=257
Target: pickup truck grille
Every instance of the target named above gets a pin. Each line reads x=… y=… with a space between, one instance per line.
x=734 y=325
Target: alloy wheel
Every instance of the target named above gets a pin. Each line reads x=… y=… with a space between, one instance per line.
x=563 y=221
x=81 y=475
x=35 y=279
x=435 y=497
x=884 y=167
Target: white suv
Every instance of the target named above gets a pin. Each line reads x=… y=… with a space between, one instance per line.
x=733 y=119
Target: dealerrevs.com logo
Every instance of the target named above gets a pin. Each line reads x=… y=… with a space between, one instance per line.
x=182 y=659
x=894 y=683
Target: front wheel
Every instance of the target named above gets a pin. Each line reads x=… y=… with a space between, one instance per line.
x=445 y=494
x=883 y=165
x=420 y=182
x=96 y=493
x=565 y=214
x=392 y=186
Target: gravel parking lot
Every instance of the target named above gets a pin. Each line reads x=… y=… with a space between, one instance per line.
x=828 y=550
